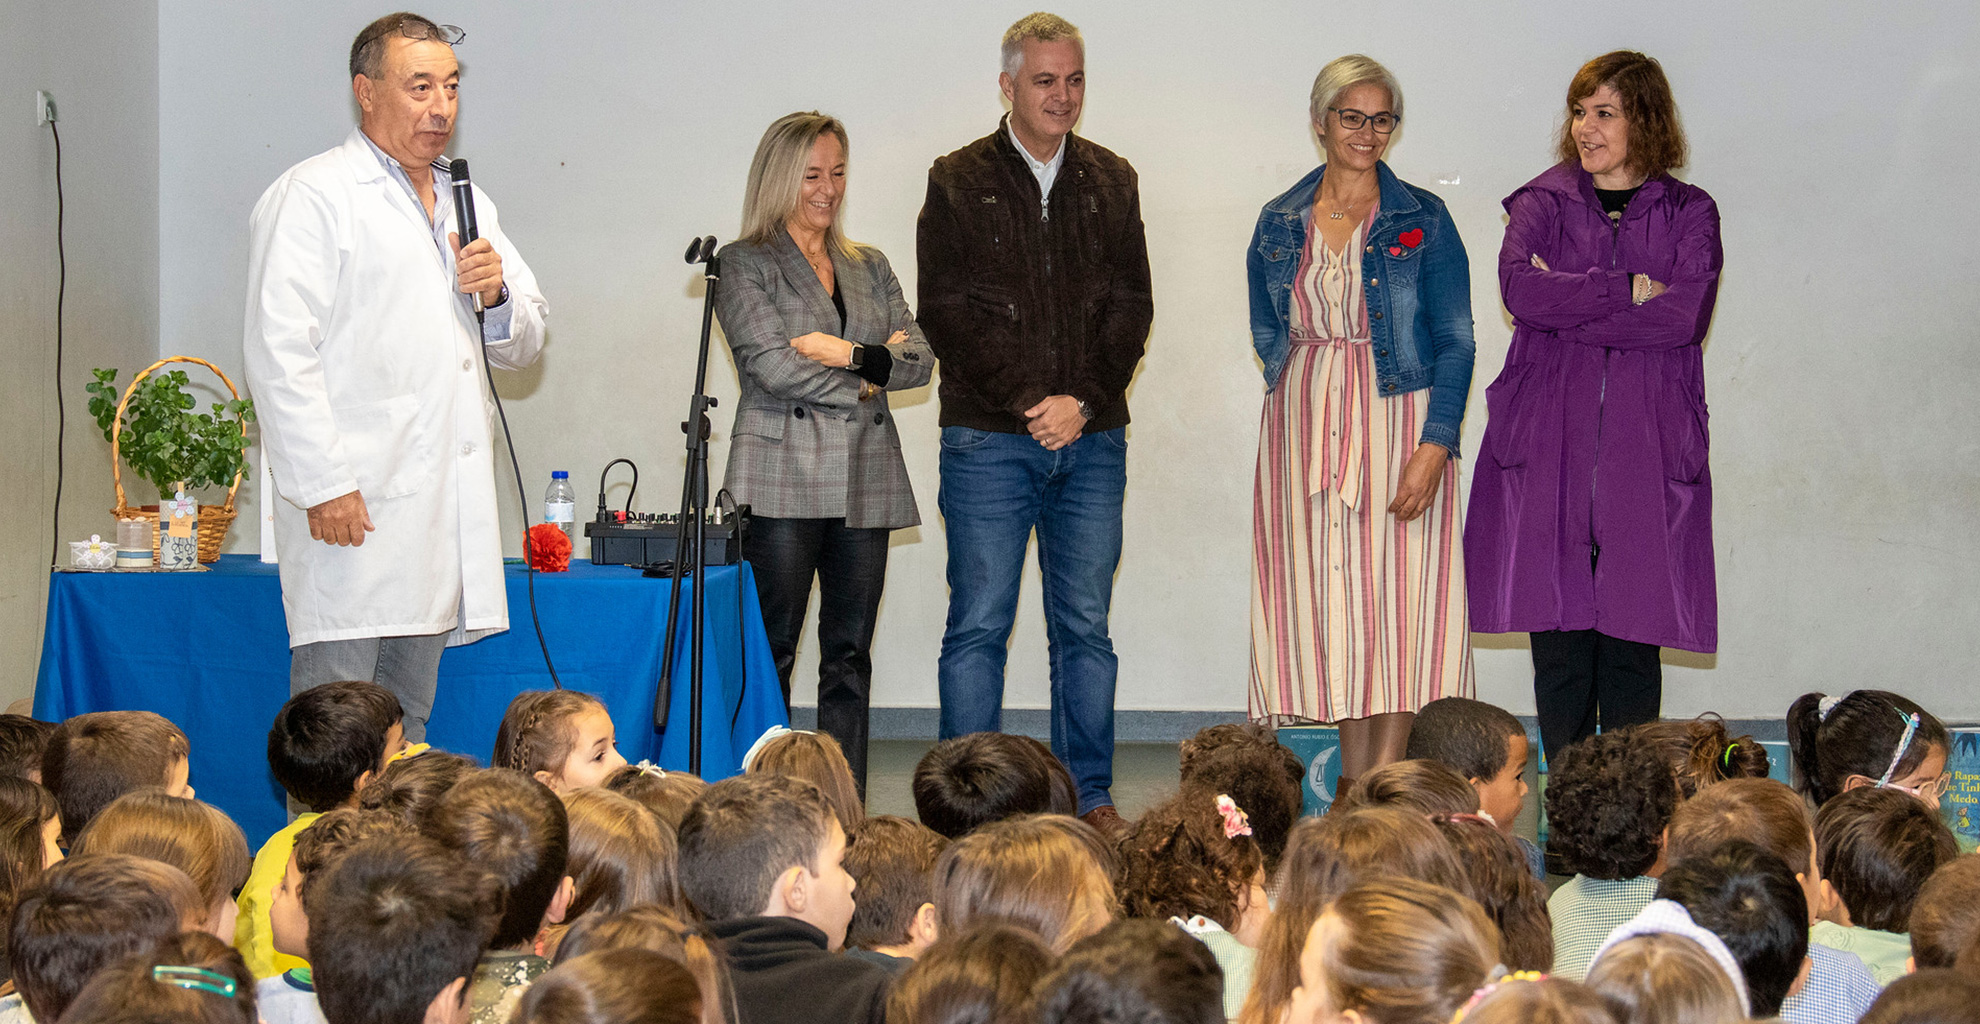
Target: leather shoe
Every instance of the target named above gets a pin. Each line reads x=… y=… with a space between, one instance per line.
x=1107 y=821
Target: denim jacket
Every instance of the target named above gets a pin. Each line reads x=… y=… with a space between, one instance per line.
x=1414 y=274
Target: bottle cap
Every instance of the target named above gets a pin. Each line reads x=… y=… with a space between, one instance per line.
x=560 y=474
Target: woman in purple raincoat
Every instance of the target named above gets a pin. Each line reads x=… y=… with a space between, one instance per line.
x=1590 y=524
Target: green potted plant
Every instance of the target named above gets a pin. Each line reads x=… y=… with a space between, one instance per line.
x=175 y=449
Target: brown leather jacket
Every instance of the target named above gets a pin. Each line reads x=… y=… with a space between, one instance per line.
x=1020 y=306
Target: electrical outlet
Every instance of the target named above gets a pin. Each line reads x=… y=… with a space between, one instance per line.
x=44 y=107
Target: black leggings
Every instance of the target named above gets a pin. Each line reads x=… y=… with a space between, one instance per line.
x=1581 y=677
x=850 y=566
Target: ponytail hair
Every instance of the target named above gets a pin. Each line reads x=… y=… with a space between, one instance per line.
x=1858 y=734
x=1702 y=751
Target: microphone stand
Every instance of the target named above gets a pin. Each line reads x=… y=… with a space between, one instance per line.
x=692 y=528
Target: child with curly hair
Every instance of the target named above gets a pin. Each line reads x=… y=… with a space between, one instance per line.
x=1608 y=802
x=1193 y=859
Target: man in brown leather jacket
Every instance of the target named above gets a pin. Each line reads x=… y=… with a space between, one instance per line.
x=1034 y=294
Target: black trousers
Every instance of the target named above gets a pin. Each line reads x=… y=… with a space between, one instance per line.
x=850 y=566
x=1582 y=678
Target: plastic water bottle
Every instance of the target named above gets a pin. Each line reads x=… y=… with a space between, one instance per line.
x=560 y=504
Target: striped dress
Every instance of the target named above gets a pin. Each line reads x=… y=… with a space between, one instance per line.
x=1353 y=613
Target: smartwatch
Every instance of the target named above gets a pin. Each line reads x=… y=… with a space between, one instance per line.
x=858 y=357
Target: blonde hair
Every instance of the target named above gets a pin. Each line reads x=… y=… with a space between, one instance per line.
x=816 y=758
x=1664 y=979
x=1401 y=951
x=1039 y=26
x=1344 y=73
x=1032 y=870
x=776 y=179
x=193 y=836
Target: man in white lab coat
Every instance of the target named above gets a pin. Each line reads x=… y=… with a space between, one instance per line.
x=365 y=362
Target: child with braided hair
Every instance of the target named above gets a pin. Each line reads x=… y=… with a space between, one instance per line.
x=562 y=738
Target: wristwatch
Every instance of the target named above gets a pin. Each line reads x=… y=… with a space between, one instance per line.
x=1085 y=411
x=858 y=357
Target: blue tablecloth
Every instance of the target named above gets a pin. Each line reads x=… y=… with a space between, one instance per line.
x=209 y=650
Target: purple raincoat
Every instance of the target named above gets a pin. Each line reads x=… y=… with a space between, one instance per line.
x=1591 y=502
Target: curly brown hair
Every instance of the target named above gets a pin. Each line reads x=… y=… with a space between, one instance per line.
x=1177 y=862
x=327 y=838
x=1608 y=800
x=1261 y=774
x=1656 y=136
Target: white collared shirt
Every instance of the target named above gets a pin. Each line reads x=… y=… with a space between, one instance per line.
x=1046 y=171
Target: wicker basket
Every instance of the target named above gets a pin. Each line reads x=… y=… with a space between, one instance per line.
x=214 y=521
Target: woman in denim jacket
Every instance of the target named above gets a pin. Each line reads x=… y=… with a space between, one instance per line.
x=1591 y=512
x=1361 y=313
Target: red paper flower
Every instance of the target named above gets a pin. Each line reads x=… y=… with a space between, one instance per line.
x=1411 y=238
x=547 y=548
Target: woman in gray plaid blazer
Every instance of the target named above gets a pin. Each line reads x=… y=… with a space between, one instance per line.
x=820 y=332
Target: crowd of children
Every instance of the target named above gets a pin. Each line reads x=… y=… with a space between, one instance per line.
x=562 y=885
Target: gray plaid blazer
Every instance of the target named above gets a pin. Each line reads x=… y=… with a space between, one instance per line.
x=804 y=446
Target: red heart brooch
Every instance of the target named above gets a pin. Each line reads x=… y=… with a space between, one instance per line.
x=1412 y=238
x=1395 y=250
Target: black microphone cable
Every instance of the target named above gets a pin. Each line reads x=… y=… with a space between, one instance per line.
x=464 y=216
x=61 y=298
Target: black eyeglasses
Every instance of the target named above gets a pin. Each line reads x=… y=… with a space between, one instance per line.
x=1352 y=120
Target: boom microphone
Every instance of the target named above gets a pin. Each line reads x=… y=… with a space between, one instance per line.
x=464 y=210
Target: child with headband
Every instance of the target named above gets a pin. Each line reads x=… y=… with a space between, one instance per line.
x=667 y=794
x=1866 y=738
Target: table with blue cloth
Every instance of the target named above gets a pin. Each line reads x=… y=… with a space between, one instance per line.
x=210 y=651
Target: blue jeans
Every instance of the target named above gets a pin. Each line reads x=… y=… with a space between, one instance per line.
x=996 y=489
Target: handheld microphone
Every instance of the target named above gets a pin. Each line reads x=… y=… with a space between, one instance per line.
x=464 y=210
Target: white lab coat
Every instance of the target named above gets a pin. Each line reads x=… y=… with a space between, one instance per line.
x=365 y=369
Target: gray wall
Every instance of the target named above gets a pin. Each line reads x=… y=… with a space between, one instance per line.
x=100 y=59
x=1836 y=136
